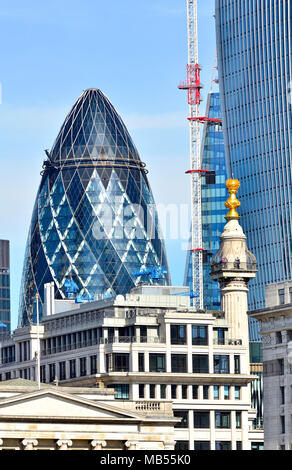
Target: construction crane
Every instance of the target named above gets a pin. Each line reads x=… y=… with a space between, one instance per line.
x=193 y=86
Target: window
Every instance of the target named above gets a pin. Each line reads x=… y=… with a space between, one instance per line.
x=282 y=394
x=122 y=391
x=238 y=419
x=118 y=362
x=178 y=334
x=281 y=366
x=141 y=391
x=290 y=295
x=199 y=335
x=281 y=293
x=205 y=392
x=237 y=364
x=178 y=363
x=184 y=415
x=43 y=374
x=223 y=445
x=163 y=391
x=72 y=366
x=237 y=391
x=152 y=391
x=200 y=364
x=201 y=419
x=238 y=445
x=216 y=392
x=221 y=364
x=181 y=445
x=282 y=419
x=195 y=392
x=157 y=363
x=173 y=392
x=184 y=392
x=226 y=392
x=222 y=419
x=93 y=364
x=82 y=362
x=62 y=370
x=141 y=362
x=220 y=335
x=52 y=372
x=202 y=445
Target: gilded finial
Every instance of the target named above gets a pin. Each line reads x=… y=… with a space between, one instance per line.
x=232 y=203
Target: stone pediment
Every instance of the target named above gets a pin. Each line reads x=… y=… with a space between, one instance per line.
x=52 y=403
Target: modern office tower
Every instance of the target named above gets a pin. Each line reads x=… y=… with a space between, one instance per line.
x=94 y=224
x=5 y=318
x=213 y=197
x=254 y=42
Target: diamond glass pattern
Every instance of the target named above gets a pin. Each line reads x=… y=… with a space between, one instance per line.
x=89 y=222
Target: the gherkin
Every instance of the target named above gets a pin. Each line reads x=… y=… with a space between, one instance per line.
x=94 y=221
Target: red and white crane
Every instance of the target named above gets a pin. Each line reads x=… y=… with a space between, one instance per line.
x=193 y=86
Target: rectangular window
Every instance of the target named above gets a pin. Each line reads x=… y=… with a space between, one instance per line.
x=72 y=366
x=282 y=394
x=206 y=392
x=221 y=364
x=178 y=334
x=178 y=363
x=157 y=363
x=43 y=374
x=82 y=364
x=184 y=392
x=181 y=445
x=200 y=364
x=238 y=445
x=141 y=362
x=62 y=370
x=199 y=335
x=141 y=391
x=223 y=445
x=281 y=366
x=238 y=419
x=201 y=419
x=122 y=391
x=52 y=372
x=184 y=415
x=237 y=390
x=93 y=364
x=195 y=392
x=222 y=419
x=152 y=391
x=202 y=445
x=237 y=364
x=226 y=392
x=281 y=293
x=282 y=418
x=163 y=391
x=173 y=392
x=216 y=392
x=290 y=295
x=118 y=362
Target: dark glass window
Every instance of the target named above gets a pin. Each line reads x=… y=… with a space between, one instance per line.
x=201 y=419
x=72 y=365
x=52 y=372
x=184 y=415
x=281 y=296
x=184 y=392
x=226 y=392
x=118 y=362
x=182 y=445
x=179 y=363
x=178 y=334
x=122 y=391
x=223 y=445
x=173 y=392
x=152 y=391
x=82 y=363
x=200 y=335
x=202 y=445
x=141 y=391
x=221 y=364
x=222 y=419
x=200 y=364
x=141 y=362
x=238 y=445
x=216 y=392
x=237 y=364
x=238 y=419
x=157 y=363
x=163 y=391
x=195 y=392
x=62 y=370
x=205 y=392
x=93 y=364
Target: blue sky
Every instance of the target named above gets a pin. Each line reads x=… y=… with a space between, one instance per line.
x=136 y=53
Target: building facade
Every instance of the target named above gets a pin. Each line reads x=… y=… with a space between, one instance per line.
x=5 y=315
x=80 y=418
x=213 y=197
x=94 y=225
x=276 y=329
x=149 y=346
x=254 y=42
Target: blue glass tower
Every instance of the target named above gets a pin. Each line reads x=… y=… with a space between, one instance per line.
x=94 y=223
x=5 y=316
x=254 y=41
x=213 y=198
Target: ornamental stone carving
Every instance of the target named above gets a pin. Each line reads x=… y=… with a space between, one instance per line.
x=98 y=445
x=63 y=444
x=29 y=444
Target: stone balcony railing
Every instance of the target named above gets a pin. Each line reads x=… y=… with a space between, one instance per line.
x=227 y=342
x=147 y=406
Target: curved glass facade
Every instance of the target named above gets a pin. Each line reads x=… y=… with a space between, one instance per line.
x=254 y=42
x=94 y=223
x=213 y=202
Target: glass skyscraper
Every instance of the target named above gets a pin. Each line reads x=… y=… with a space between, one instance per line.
x=254 y=42
x=5 y=316
x=94 y=226
x=213 y=199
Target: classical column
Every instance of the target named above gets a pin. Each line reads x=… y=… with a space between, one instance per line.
x=169 y=445
x=63 y=444
x=29 y=444
x=1 y=443
x=98 y=445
